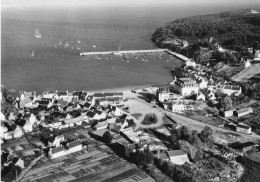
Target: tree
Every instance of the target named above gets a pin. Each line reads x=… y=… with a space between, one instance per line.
x=175 y=136
x=207 y=137
x=107 y=137
x=226 y=103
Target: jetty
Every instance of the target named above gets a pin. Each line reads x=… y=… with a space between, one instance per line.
x=122 y=52
x=183 y=58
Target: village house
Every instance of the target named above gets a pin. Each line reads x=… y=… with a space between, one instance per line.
x=74 y=146
x=101 y=101
x=102 y=125
x=186 y=86
x=229 y=90
x=257 y=55
x=108 y=95
x=132 y=148
x=243 y=128
x=92 y=115
x=55 y=141
x=62 y=95
x=166 y=93
x=28 y=127
x=178 y=157
x=242 y=112
x=56 y=152
x=182 y=105
x=201 y=97
x=228 y=113
x=18 y=132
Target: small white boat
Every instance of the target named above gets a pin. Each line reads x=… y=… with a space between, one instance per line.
x=94 y=46
x=60 y=42
x=55 y=46
x=97 y=57
x=78 y=41
x=32 y=53
x=78 y=48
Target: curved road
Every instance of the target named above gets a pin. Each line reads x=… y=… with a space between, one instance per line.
x=196 y=125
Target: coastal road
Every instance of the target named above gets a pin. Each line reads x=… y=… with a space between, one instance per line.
x=196 y=125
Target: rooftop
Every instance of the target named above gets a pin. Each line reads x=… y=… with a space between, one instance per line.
x=176 y=153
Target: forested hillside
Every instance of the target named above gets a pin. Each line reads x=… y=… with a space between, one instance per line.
x=229 y=28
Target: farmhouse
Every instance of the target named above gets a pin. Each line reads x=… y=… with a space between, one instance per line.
x=243 y=128
x=178 y=157
x=242 y=112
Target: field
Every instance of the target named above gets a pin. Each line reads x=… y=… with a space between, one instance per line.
x=96 y=162
x=247 y=73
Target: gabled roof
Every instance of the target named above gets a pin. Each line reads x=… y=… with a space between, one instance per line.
x=59 y=93
x=74 y=144
x=87 y=105
x=110 y=99
x=115 y=127
x=103 y=99
x=51 y=139
x=98 y=95
x=57 y=150
x=173 y=153
x=103 y=123
x=242 y=125
x=73 y=120
x=118 y=93
x=247 y=109
x=91 y=114
x=77 y=93
x=108 y=94
x=98 y=112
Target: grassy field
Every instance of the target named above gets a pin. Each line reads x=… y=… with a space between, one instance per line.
x=252 y=168
x=247 y=73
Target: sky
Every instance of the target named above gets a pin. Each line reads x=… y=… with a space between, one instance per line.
x=60 y=3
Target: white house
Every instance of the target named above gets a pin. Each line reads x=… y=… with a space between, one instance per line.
x=229 y=90
x=57 y=152
x=56 y=140
x=186 y=86
x=191 y=63
x=32 y=119
x=74 y=146
x=102 y=125
x=20 y=163
x=178 y=157
x=200 y=96
x=243 y=128
x=242 y=112
x=8 y=135
x=18 y=132
x=28 y=127
x=247 y=63
x=257 y=55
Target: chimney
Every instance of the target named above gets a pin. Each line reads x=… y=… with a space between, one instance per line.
x=67 y=92
x=158 y=153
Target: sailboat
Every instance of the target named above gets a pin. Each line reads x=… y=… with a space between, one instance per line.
x=60 y=42
x=37 y=34
x=32 y=53
x=78 y=41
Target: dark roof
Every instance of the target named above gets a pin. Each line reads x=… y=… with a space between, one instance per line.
x=108 y=94
x=102 y=99
x=98 y=112
x=176 y=153
x=51 y=139
x=91 y=114
x=56 y=150
x=118 y=93
x=115 y=127
x=123 y=116
x=76 y=93
x=98 y=95
x=120 y=120
x=74 y=144
x=247 y=109
x=45 y=135
x=59 y=93
x=110 y=99
x=241 y=125
x=87 y=105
